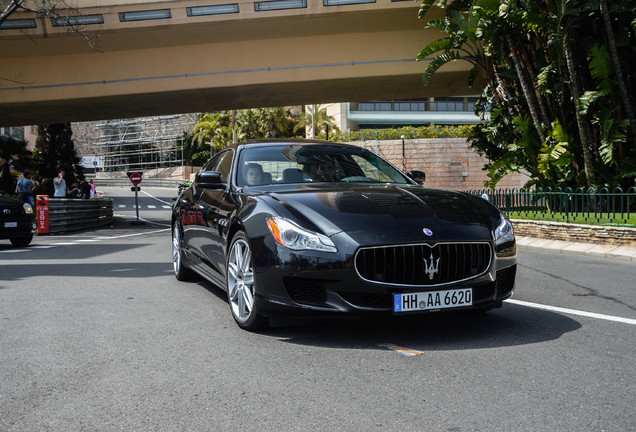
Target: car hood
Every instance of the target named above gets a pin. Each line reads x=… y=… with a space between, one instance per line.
x=6 y=202
x=387 y=213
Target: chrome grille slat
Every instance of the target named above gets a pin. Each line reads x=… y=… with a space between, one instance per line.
x=407 y=264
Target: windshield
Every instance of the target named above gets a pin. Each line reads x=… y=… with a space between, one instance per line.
x=291 y=163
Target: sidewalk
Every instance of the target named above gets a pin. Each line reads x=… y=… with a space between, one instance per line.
x=627 y=253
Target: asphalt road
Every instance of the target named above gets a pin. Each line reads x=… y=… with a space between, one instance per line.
x=96 y=334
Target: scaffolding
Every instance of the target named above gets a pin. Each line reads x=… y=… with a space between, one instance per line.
x=143 y=144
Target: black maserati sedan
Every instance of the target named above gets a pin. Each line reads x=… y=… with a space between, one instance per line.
x=307 y=227
x=17 y=221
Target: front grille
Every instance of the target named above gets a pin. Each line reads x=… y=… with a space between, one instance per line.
x=305 y=291
x=423 y=264
x=12 y=213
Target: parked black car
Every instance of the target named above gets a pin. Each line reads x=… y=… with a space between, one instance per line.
x=17 y=221
x=311 y=227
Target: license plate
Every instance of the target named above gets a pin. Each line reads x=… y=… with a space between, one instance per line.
x=432 y=300
x=10 y=224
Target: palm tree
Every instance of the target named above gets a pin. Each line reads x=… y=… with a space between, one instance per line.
x=247 y=121
x=273 y=121
x=319 y=121
x=205 y=130
x=542 y=62
x=611 y=42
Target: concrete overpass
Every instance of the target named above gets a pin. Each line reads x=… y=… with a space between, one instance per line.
x=163 y=57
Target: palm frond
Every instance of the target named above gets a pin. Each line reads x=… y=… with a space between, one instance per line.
x=438 y=62
x=436 y=46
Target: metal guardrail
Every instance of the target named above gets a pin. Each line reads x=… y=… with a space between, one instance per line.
x=74 y=214
x=147 y=182
x=601 y=205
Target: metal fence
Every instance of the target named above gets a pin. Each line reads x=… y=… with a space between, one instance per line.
x=602 y=205
x=75 y=214
x=151 y=182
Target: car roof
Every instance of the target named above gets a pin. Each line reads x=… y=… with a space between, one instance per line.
x=299 y=141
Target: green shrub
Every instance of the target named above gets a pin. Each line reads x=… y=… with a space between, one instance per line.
x=409 y=132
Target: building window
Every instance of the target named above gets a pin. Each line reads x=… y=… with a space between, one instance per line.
x=212 y=10
x=344 y=2
x=279 y=5
x=12 y=24
x=78 y=20
x=145 y=15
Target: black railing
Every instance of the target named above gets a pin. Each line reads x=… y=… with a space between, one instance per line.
x=75 y=214
x=598 y=206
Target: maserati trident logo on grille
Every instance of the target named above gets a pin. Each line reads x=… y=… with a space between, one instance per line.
x=428 y=232
x=431 y=267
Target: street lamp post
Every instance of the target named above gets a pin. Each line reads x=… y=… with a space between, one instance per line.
x=403 y=156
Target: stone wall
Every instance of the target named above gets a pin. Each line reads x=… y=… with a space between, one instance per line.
x=575 y=232
x=449 y=163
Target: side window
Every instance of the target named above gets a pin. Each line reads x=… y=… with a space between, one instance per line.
x=222 y=163
x=225 y=165
x=212 y=163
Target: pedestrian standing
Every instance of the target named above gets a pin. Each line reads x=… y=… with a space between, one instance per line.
x=24 y=188
x=60 y=185
x=85 y=189
x=93 y=190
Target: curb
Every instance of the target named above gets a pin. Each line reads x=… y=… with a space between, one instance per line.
x=626 y=253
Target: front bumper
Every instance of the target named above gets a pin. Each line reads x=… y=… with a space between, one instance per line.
x=328 y=284
x=25 y=226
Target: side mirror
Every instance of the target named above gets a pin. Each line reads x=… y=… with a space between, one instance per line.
x=418 y=176
x=209 y=180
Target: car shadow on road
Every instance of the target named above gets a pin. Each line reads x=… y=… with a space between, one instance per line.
x=68 y=252
x=20 y=272
x=509 y=326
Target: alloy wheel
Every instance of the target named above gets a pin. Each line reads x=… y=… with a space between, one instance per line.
x=240 y=281
x=176 y=248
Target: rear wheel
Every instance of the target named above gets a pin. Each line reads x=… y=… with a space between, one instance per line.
x=181 y=272
x=240 y=286
x=22 y=241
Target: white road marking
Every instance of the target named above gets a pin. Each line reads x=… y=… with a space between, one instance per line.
x=76 y=242
x=142 y=219
x=161 y=201
x=573 y=312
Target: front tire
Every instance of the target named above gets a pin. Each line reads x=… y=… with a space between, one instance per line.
x=241 y=292
x=22 y=241
x=181 y=272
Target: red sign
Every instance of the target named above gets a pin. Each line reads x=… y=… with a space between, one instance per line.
x=135 y=178
x=42 y=204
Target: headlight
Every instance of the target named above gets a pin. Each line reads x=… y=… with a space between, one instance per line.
x=504 y=231
x=290 y=235
x=27 y=208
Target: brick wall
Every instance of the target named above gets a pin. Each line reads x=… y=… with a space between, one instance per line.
x=449 y=163
x=576 y=232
